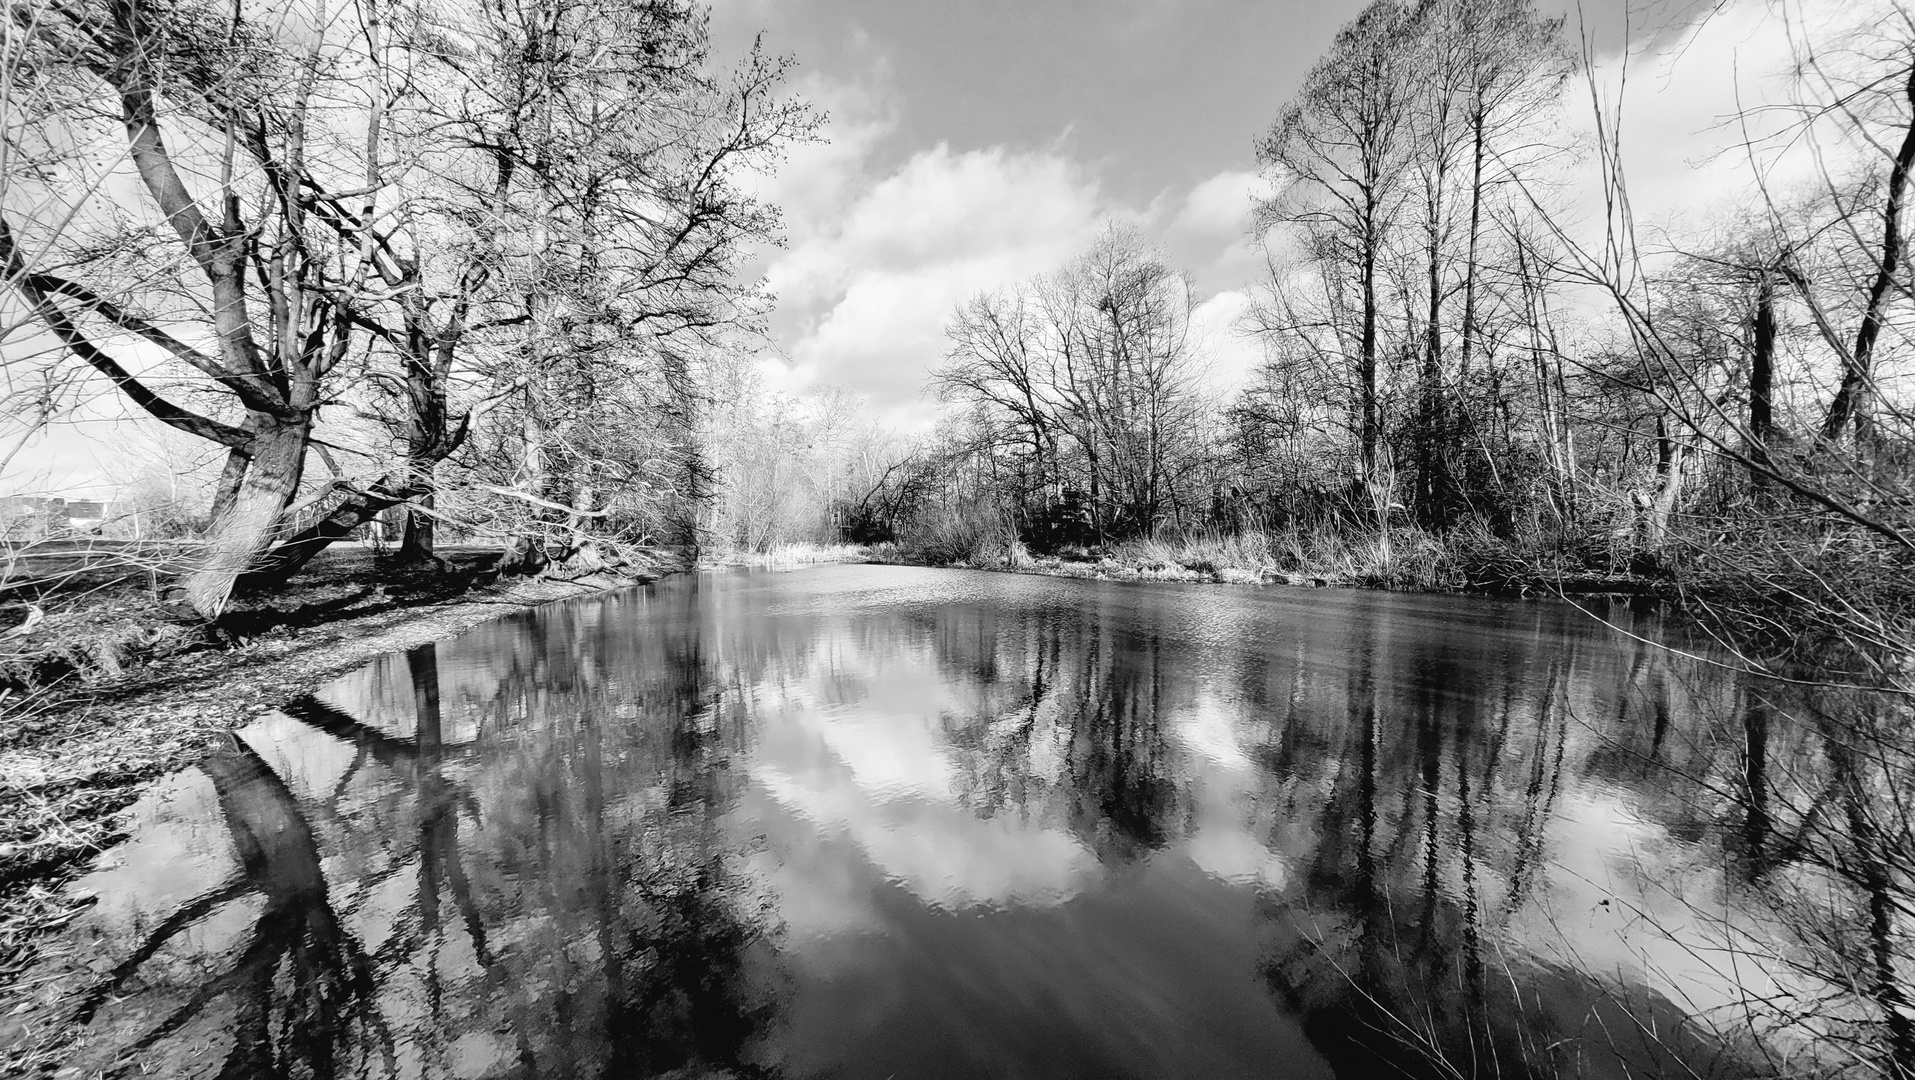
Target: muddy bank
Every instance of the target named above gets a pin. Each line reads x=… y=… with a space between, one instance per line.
x=75 y=753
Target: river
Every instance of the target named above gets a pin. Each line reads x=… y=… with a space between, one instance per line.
x=891 y=822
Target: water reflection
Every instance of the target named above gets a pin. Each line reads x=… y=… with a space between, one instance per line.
x=878 y=821
x=328 y=1009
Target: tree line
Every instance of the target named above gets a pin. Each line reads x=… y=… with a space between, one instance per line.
x=477 y=265
x=1471 y=342
x=1389 y=313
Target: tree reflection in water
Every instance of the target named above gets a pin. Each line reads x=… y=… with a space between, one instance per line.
x=569 y=915
x=298 y=972
x=1396 y=954
x=867 y=821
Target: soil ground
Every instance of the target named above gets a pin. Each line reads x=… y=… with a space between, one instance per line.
x=127 y=697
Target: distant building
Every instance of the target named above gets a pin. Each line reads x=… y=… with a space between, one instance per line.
x=86 y=515
x=48 y=517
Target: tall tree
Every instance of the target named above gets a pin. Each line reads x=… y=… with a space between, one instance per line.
x=1485 y=74
x=627 y=150
x=1337 y=155
x=1873 y=103
x=223 y=125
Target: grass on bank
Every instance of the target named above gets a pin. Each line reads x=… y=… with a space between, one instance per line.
x=797 y=553
x=99 y=621
x=1404 y=559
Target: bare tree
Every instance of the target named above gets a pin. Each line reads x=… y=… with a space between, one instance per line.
x=1338 y=157
x=1089 y=372
x=1485 y=75
x=1000 y=354
x=226 y=124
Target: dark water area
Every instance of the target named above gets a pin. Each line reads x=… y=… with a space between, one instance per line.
x=891 y=822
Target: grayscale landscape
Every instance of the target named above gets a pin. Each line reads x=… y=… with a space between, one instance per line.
x=885 y=539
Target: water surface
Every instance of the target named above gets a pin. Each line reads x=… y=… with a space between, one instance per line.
x=880 y=821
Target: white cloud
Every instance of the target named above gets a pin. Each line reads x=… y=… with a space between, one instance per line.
x=818 y=179
x=1232 y=355
x=1210 y=234
x=1692 y=101
x=880 y=254
x=1221 y=205
x=942 y=209
x=880 y=257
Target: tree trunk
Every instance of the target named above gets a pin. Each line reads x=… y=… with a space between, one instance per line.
x=1366 y=364
x=1468 y=342
x=244 y=531
x=1096 y=493
x=1553 y=415
x=526 y=553
x=427 y=437
x=226 y=488
x=1432 y=495
x=1672 y=461
x=1762 y=380
x=417 y=538
x=1855 y=400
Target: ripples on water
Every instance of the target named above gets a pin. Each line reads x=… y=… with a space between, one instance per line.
x=876 y=821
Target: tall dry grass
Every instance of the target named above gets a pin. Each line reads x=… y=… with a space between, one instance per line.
x=800 y=553
x=975 y=536
x=1404 y=559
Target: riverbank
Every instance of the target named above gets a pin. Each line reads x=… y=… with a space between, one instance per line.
x=1409 y=561
x=78 y=749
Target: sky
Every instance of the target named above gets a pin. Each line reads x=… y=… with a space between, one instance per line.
x=971 y=144
x=975 y=143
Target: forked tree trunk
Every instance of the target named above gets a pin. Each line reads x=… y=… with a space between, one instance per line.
x=1657 y=511
x=243 y=531
x=414 y=481
x=293 y=552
